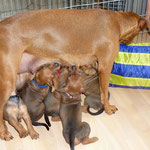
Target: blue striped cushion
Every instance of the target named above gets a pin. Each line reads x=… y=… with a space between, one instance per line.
x=132 y=67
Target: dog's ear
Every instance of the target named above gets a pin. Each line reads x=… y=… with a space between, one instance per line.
x=144 y=23
x=43 y=75
x=57 y=95
x=56 y=82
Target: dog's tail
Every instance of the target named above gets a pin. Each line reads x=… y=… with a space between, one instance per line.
x=71 y=139
x=40 y=124
x=47 y=120
x=95 y=113
x=100 y=110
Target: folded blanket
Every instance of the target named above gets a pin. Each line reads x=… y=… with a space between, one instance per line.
x=132 y=67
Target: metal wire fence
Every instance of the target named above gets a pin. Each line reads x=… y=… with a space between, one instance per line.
x=11 y=7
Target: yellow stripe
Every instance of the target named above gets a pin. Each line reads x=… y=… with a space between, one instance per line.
x=133 y=58
x=140 y=44
x=128 y=81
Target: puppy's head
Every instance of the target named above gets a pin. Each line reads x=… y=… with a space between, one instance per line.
x=46 y=74
x=76 y=78
x=73 y=83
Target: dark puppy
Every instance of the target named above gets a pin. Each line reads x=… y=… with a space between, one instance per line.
x=37 y=89
x=92 y=92
x=52 y=104
x=74 y=130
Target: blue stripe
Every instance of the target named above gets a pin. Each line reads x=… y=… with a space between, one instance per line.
x=134 y=49
x=134 y=87
x=135 y=71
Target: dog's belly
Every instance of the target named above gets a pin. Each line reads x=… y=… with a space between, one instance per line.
x=77 y=60
x=30 y=63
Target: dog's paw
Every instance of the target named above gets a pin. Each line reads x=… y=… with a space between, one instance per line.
x=84 y=109
x=34 y=135
x=55 y=119
x=88 y=140
x=5 y=135
x=110 y=109
x=23 y=133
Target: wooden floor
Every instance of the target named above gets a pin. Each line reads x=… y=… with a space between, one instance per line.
x=127 y=129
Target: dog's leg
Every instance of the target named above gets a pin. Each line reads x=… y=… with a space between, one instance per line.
x=19 y=128
x=83 y=134
x=27 y=120
x=104 y=69
x=4 y=134
x=8 y=71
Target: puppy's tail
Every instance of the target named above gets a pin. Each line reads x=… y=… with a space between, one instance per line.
x=40 y=124
x=100 y=110
x=71 y=139
x=95 y=113
x=47 y=120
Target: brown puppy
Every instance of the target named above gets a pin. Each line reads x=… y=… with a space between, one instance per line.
x=52 y=104
x=15 y=110
x=34 y=92
x=75 y=36
x=74 y=130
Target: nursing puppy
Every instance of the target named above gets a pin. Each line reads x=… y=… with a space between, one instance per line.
x=35 y=91
x=92 y=92
x=52 y=104
x=74 y=130
x=15 y=110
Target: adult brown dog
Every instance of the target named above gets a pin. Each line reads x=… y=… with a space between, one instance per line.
x=76 y=36
x=74 y=130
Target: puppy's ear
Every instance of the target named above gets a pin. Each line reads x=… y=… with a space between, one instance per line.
x=57 y=95
x=56 y=82
x=83 y=90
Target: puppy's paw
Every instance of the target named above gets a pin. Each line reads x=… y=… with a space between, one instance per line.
x=34 y=135
x=76 y=141
x=57 y=118
x=84 y=109
x=88 y=140
x=110 y=109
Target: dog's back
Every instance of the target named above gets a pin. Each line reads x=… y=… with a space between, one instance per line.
x=51 y=103
x=33 y=98
x=71 y=120
x=70 y=106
